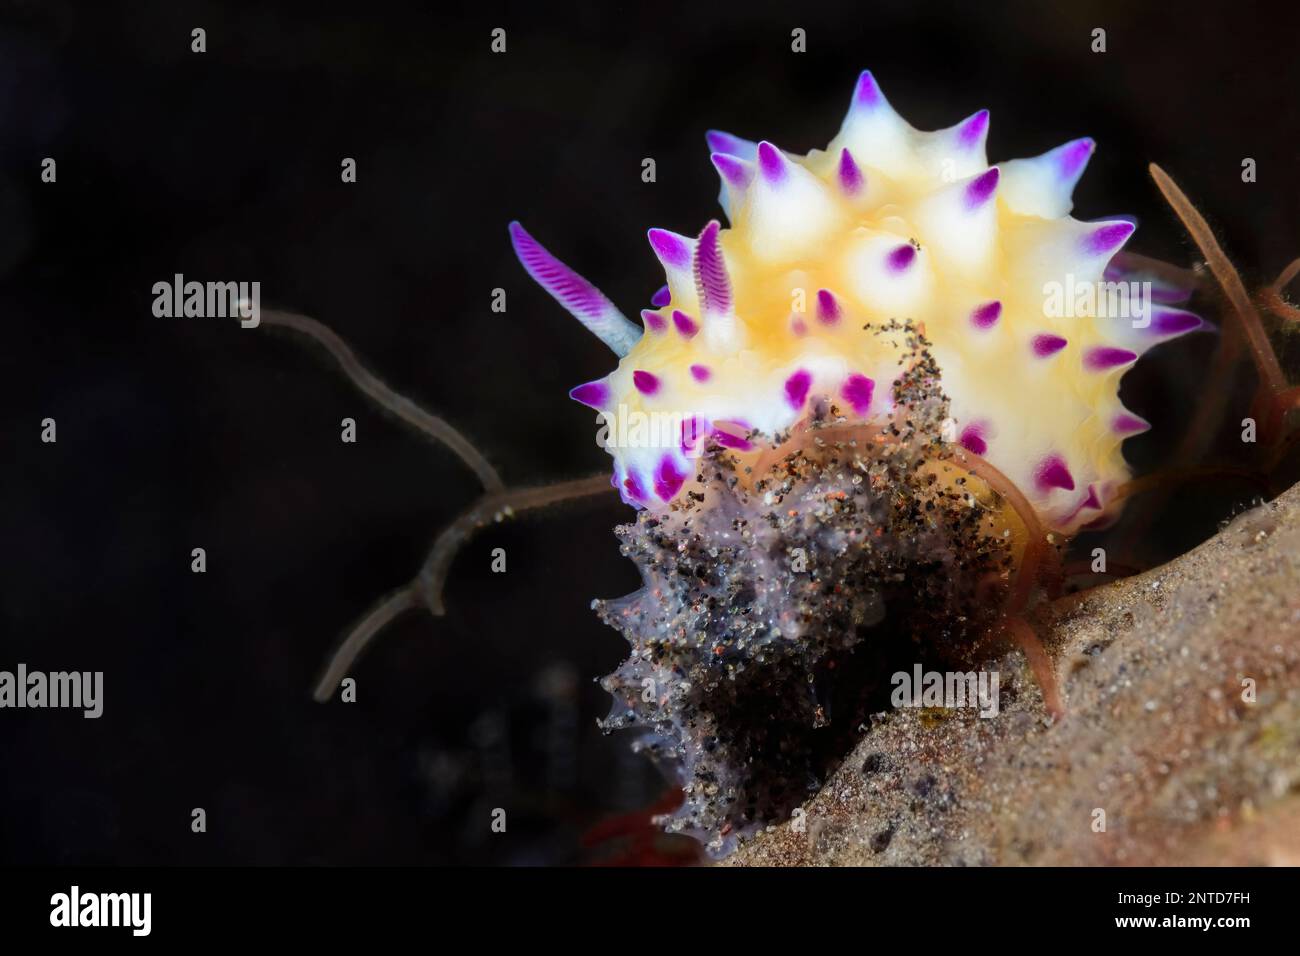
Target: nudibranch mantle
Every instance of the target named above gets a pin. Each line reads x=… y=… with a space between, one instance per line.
x=762 y=321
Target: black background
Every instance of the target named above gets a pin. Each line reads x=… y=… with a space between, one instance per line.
x=183 y=433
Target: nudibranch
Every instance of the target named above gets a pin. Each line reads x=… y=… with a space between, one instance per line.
x=871 y=305
x=762 y=319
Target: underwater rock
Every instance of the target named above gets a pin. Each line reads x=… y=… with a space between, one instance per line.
x=1182 y=734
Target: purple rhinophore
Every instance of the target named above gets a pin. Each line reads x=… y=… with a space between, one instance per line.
x=700 y=373
x=850 y=175
x=684 y=323
x=796 y=388
x=901 y=258
x=645 y=382
x=1107 y=238
x=1176 y=322
x=981 y=189
x=673 y=250
x=668 y=480
x=857 y=391
x=828 y=309
x=1102 y=357
x=1052 y=473
x=662 y=298
x=653 y=320
x=735 y=171
x=1047 y=344
x=771 y=163
x=971 y=132
x=711 y=280
x=1127 y=424
x=573 y=291
x=986 y=315
x=972 y=439
x=594 y=394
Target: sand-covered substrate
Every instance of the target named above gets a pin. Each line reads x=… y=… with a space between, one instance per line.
x=1159 y=734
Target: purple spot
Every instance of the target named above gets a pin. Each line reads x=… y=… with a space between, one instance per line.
x=635 y=490
x=798 y=326
x=857 y=391
x=796 y=389
x=653 y=320
x=986 y=315
x=828 y=310
x=661 y=298
x=1106 y=239
x=972 y=439
x=971 y=132
x=735 y=171
x=771 y=163
x=645 y=383
x=1127 y=424
x=1052 y=473
x=728 y=440
x=685 y=324
x=901 y=258
x=1073 y=156
x=850 y=175
x=700 y=373
x=867 y=94
x=980 y=189
x=1045 y=345
x=672 y=249
x=1102 y=357
x=1092 y=501
x=1175 y=322
x=711 y=280
x=668 y=480
x=594 y=394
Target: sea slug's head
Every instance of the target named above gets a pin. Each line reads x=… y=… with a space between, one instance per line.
x=786 y=315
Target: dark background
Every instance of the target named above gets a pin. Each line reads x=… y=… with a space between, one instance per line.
x=182 y=433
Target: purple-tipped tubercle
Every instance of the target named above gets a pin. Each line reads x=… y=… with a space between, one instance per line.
x=736 y=172
x=593 y=394
x=673 y=250
x=971 y=132
x=771 y=164
x=684 y=323
x=662 y=297
x=981 y=189
x=1107 y=238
